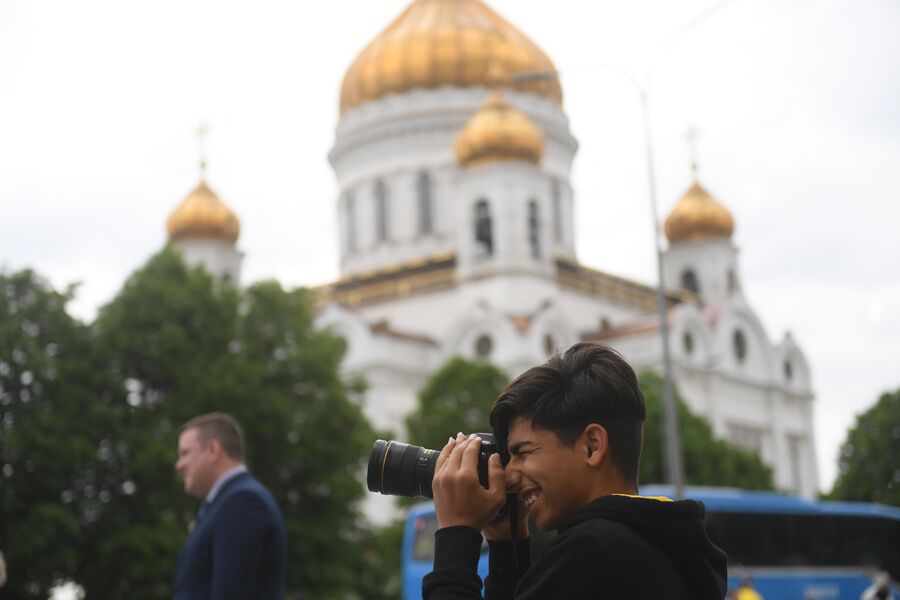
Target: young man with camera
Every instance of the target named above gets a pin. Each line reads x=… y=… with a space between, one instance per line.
x=573 y=430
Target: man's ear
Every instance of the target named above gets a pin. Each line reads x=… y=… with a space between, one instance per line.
x=215 y=448
x=596 y=444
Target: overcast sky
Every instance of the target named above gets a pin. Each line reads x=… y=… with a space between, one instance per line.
x=797 y=103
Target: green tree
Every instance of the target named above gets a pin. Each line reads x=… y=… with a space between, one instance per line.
x=380 y=573
x=45 y=452
x=457 y=397
x=869 y=459
x=708 y=460
x=174 y=344
x=316 y=439
x=161 y=351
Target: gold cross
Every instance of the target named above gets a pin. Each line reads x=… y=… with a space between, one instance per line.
x=202 y=130
x=691 y=136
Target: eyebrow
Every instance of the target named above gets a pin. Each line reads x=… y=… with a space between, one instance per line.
x=517 y=448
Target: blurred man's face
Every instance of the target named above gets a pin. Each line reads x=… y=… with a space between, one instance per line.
x=195 y=463
x=550 y=477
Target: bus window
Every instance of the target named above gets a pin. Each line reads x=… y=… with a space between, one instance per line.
x=423 y=540
x=794 y=540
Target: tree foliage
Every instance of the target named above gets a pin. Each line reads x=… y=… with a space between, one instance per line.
x=171 y=345
x=708 y=460
x=45 y=449
x=869 y=459
x=457 y=397
x=379 y=577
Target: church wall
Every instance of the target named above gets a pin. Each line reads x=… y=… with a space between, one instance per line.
x=711 y=261
x=587 y=312
x=221 y=259
x=391 y=396
x=434 y=314
x=747 y=407
x=512 y=307
x=397 y=137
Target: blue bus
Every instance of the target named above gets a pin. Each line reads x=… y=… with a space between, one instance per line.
x=792 y=549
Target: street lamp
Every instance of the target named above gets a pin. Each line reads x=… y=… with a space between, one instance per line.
x=674 y=464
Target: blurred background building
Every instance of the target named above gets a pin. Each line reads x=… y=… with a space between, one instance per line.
x=456 y=225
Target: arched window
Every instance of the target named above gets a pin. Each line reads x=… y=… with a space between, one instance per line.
x=557 y=210
x=689 y=281
x=688 y=341
x=381 y=211
x=549 y=344
x=739 y=345
x=426 y=208
x=788 y=370
x=350 y=216
x=483 y=346
x=484 y=235
x=534 y=229
x=732 y=280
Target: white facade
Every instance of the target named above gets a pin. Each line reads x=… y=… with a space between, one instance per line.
x=439 y=260
x=418 y=285
x=221 y=258
x=383 y=148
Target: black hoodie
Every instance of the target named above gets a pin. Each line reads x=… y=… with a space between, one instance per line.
x=615 y=547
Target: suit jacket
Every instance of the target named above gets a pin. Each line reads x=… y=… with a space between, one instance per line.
x=238 y=548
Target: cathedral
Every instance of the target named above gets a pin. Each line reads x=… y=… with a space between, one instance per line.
x=456 y=225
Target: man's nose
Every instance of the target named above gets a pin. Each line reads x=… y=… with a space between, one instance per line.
x=513 y=476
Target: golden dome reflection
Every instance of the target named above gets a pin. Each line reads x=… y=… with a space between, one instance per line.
x=444 y=42
x=202 y=215
x=498 y=131
x=698 y=216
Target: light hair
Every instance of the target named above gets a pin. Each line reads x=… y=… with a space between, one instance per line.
x=222 y=427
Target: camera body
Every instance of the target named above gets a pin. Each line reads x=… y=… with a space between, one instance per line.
x=398 y=469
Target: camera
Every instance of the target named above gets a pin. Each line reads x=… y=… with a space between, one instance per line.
x=398 y=469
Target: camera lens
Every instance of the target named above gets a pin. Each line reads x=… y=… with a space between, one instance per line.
x=398 y=469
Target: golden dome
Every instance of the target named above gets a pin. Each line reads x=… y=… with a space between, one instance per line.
x=498 y=131
x=202 y=215
x=444 y=42
x=698 y=216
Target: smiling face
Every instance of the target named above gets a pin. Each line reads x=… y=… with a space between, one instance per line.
x=553 y=480
x=196 y=463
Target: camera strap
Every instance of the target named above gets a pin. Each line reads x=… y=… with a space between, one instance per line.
x=512 y=503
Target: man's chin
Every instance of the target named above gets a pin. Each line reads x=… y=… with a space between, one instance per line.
x=545 y=522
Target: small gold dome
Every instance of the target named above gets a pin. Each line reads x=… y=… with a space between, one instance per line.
x=444 y=42
x=698 y=216
x=498 y=131
x=202 y=215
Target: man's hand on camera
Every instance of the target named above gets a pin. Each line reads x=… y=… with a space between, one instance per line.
x=499 y=530
x=459 y=498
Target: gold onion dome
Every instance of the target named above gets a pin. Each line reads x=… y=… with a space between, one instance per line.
x=498 y=131
x=698 y=216
x=202 y=215
x=434 y=43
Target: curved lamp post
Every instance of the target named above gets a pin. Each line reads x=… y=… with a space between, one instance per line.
x=674 y=463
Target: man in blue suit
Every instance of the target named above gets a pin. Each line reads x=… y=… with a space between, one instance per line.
x=238 y=546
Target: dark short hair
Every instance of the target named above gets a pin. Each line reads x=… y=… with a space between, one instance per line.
x=222 y=427
x=589 y=383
